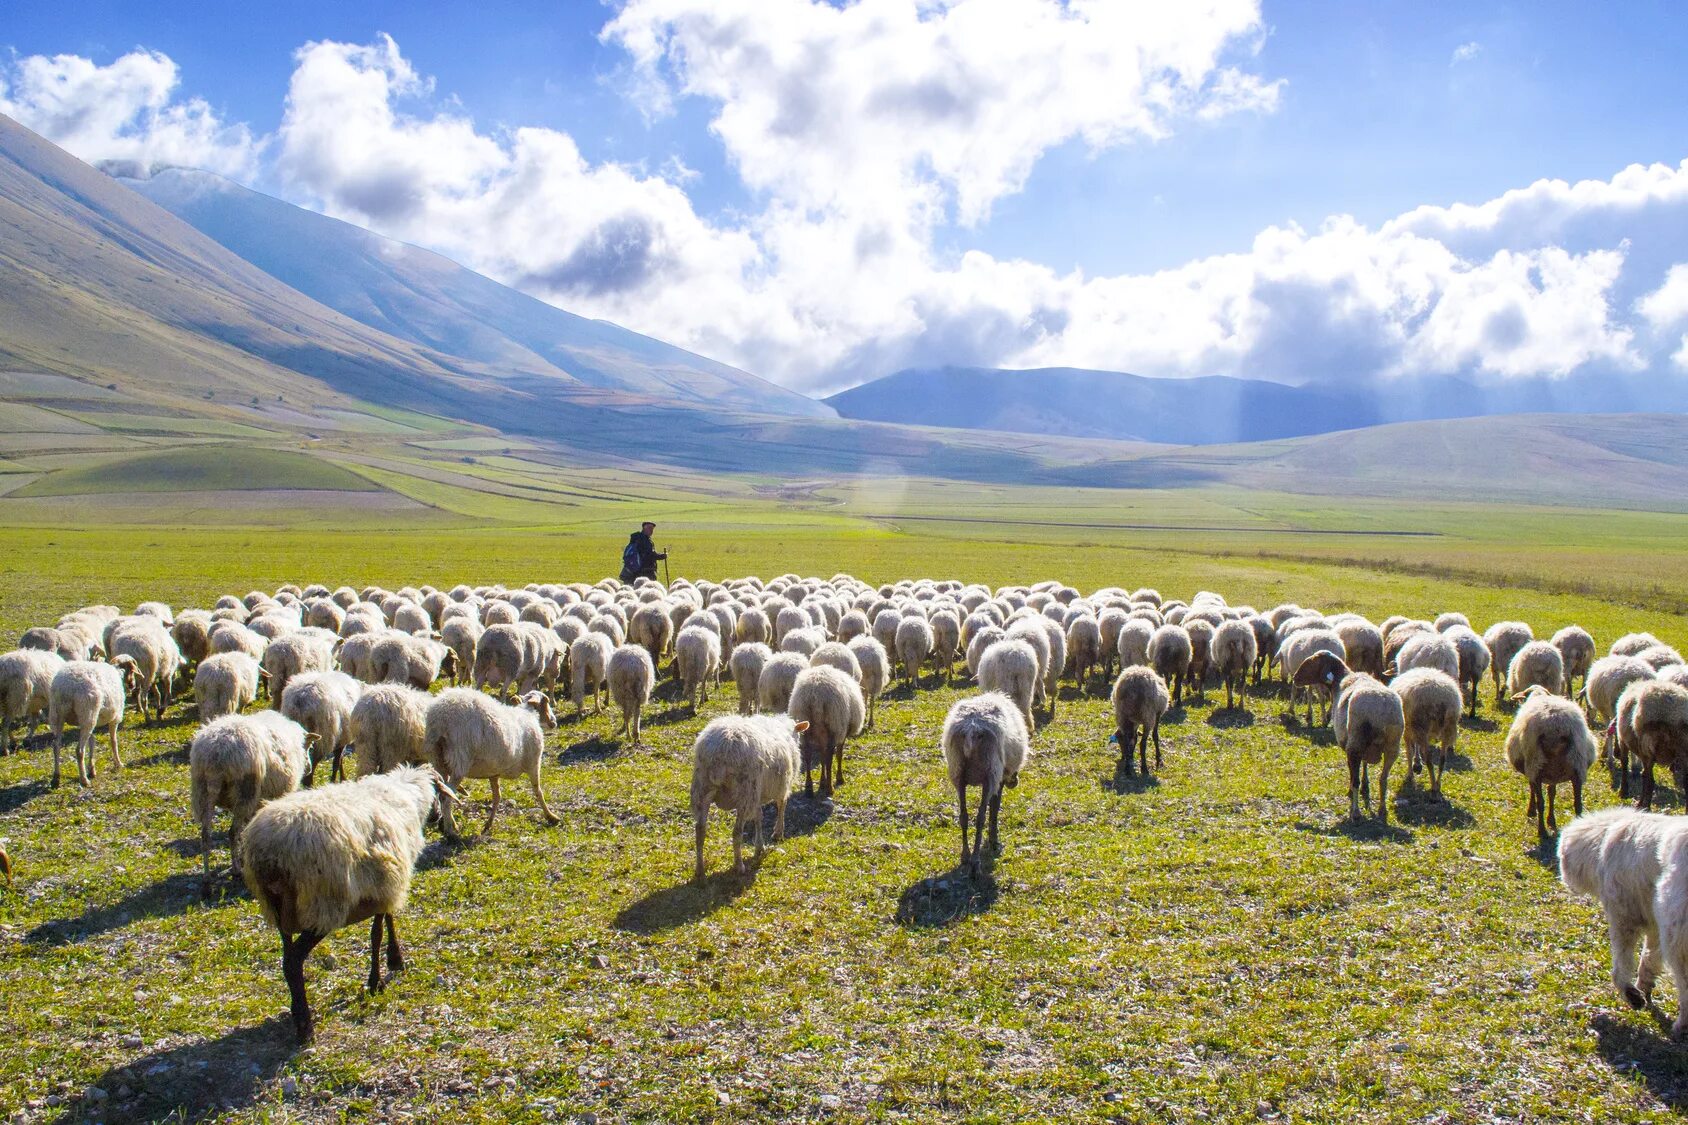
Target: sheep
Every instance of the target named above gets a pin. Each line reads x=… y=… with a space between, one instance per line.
x=1265 y=644
x=224 y=684
x=320 y=860
x=1536 y=663
x=387 y=728
x=884 y=628
x=504 y=658
x=1396 y=638
x=1576 y=650
x=322 y=703
x=462 y=635
x=779 y=676
x=1368 y=722
x=876 y=670
x=1140 y=699
x=740 y=764
x=609 y=627
x=1296 y=649
x=1084 y=647
x=1201 y=632
x=1634 y=863
x=982 y=640
x=1633 y=644
x=1233 y=650
x=852 y=625
x=1030 y=631
x=1319 y=675
x=1133 y=645
x=65 y=642
x=26 y=683
x=1109 y=623
x=753 y=627
x=237 y=763
x=1659 y=657
x=1504 y=639
x=804 y=642
x=697 y=654
x=632 y=675
x=589 y=666
x=1362 y=645
x=88 y=695
x=157 y=659
x=985 y=743
x=1549 y=743
x=1169 y=655
x=913 y=645
x=1427 y=650
x=1652 y=728
x=1431 y=704
x=1473 y=660
x=1010 y=668
x=405 y=658
x=286 y=657
x=747 y=662
x=652 y=629
x=469 y=734
x=192 y=633
x=1057 y=638
x=829 y=706
x=1446 y=621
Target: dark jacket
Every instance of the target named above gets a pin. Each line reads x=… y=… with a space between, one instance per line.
x=648 y=557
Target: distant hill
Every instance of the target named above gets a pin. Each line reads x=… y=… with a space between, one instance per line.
x=433 y=302
x=1073 y=402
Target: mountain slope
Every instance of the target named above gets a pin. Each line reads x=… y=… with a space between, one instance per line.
x=431 y=301
x=1202 y=411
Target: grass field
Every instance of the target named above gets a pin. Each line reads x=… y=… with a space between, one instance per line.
x=1217 y=944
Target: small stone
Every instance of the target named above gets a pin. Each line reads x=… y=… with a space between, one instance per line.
x=94 y=1094
x=290 y=1087
x=1263 y=1109
x=132 y=1041
x=723 y=1097
x=599 y=961
x=55 y=1099
x=1398 y=1048
x=586 y=1119
x=1113 y=1096
x=831 y=1101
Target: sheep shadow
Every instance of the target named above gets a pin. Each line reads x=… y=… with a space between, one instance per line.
x=1124 y=783
x=1230 y=718
x=173 y=894
x=1418 y=806
x=595 y=749
x=175 y=757
x=803 y=816
x=195 y=1081
x=1545 y=852
x=1367 y=829
x=685 y=903
x=15 y=797
x=437 y=853
x=1653 y=1057
x=948 y=897
x=1486 y=726
x=679 y=713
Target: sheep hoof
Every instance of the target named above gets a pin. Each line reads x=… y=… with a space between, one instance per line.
x=1634 y=997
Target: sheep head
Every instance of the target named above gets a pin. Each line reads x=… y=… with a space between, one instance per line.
x=540 y=704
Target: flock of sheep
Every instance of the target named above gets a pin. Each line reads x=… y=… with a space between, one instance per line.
x=348 y=669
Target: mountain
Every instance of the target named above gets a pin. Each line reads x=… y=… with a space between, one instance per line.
x=1109 y=404
x=434 y=303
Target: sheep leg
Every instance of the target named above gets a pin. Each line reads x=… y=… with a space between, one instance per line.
x=486 y=829
x=1539 y=802
x=779 y=819
x=1650 y=963
x=808 y=782
x=638 y=727
x=1354 y=769
x=700 y=828
x=826 y=775
x=1143 y=749
x=1127 y=739
x=85 y=755
x=1156 y=730
x=294 y=950
x=375 y=954
x=1623 y=933
x=116 y=753
x=1552 y=807
x=1383 y=788
x=337 y=770
x=395 y=951
x=539 y=793
x=979 y=825
x=206 y=814
x=753 y=813
x=738 y=843
x=58 y=753
x=961 y=800
x=996 y=807
x=838 y=765
x=1645 y=801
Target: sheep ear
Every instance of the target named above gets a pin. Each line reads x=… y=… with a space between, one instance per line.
x=801 y=727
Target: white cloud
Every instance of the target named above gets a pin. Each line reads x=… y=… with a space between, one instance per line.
x=1465 y=52
x=124 y=111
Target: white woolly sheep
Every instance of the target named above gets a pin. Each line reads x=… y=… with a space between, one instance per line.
x=1169 y=656
x=322 y=703
x=1200 y=631
x=946 y=642
x=652 y=629
x=1362 y=645
x=1427 y=650
x=1549 y=744
x=469 y=734
x=1234 y=650
x=779 y=676
x=404 y=658
x=1368 y=722
x=1576 y=650
x=88 y=695
x=462 y=635
x=1537 y=663
x=1633 y=644
x=632 y=676
x=1431 y=704
x=286 y=657
x=1140 y=699
x=589 y=666
x=1133 y=644
x=913 y=645
x=985 y=744
x=224 y=684
x=1504 y=639
x=753 y=627
x=26 y=683
x=697 y=656
x=387 y=728
x=1659 y=657
x=237 y=763
x=149 y=644
x=319 y=860
x=747 y=662
x=976 y=647
x=875 y=670
x=835 y=655
x=740 y=764
x=1010 y=668
x=1473 y=660
x=1084 y=647
x=1652 y=729
x=804 y=642
x=829 y=704
x=192 y=633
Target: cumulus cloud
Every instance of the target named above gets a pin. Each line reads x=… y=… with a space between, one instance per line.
x=123 y=112
x=1465 y=52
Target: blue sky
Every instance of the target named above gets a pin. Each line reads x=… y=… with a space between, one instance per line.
x=1365 y=110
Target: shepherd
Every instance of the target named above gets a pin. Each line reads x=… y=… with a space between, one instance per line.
x=640 y=556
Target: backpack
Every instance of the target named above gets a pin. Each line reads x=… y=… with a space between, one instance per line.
x=630 y=558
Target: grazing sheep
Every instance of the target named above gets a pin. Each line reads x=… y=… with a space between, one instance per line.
x=1108 y=623
x=852 y=625
x=504 y=656
x=779 y=676
x=1320 y=676
x=1652 y=728
x=1427 y=650
x=1084 y=647
x=747 y=662
x=1659 y=657
x=1368 y=723
x=1201 y=651
x=65 y=642
x=1140 y=699
x=652 y=629
x=827 y=704
x=387 y=728
x=1504 y=639
x=469 y=734
x=1010 y=668
x=876 y=670
x=740 y=764
x=1431 y=703
x=1536 y=664
x=1296 y=650
x=697 y=654
x=753 y=628
x=589 y=666
x=320 y=860
x=1362 y=645
x=322 y=703
x=1396 y=638
x=1234 y=651
x=632 y=675
x=913 y=644
x=157 y=659
x=1030 y=631
x=462 y=635
x=986 y=744
x=1634 y=644
x=405 y=658
x=26 y=684
x=88 y=695
x=1133 y=645
x=804 y=642
x=1446 y=621
x=192 y=633
x=286 y=657
x=982 y=640
x=237 y=763
x=1576 y=650
x=1265 y=644
x=1473 y=660
x=1549 y=743
x=832 y=654
x=1169 y=655
x=225 y=683
x=946 y=643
